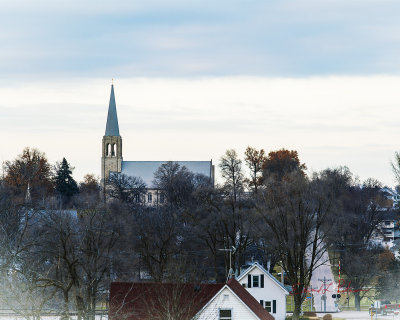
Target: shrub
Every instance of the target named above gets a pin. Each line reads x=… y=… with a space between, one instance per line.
x=327 y=317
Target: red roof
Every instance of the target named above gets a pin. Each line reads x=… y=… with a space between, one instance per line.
x=249 y=300
x=145 y=301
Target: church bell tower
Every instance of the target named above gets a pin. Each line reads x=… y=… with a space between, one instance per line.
x=111 y=158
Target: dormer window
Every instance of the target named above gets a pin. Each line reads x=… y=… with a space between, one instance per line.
x=256 y=281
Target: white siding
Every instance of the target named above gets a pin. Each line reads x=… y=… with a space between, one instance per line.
x=271 y=291
x=239 y=310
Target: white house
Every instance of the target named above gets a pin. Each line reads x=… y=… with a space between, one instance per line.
x=392 y=196
x=154 y=301
x=232 y=302
x=268 y=291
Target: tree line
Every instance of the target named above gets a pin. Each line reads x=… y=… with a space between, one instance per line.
x=62 y=243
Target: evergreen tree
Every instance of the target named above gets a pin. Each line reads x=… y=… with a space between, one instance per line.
x=66 y=186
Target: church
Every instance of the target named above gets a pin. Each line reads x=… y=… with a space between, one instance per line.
x=112 y=159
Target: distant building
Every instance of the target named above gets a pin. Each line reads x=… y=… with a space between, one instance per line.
x=387 y=232
x=391 y=196
x=112 y=159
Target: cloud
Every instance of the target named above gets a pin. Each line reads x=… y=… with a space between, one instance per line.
x=330 y=120
x=197 y=38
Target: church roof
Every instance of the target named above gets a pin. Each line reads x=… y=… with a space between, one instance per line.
x=146 y=169
x=112 y=128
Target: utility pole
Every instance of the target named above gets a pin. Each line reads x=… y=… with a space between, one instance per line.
x=230 y=273
x=323 y=297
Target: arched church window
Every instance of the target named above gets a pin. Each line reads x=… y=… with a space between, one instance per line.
x=114 y=150
x=108 y=149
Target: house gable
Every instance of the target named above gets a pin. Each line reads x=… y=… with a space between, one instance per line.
x=268 y=291
x=235 y=298
x=267 y=280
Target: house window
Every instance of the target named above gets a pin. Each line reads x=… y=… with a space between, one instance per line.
x=162 y=198
x=225 y=314
x=149 y=197
x=268 y=306
x=256 y=281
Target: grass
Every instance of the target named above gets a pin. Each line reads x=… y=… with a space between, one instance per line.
x=290 y=304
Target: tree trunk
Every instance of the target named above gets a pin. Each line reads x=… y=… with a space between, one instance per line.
x=80 y=307
x=65 y=314
x=297 y=306
x=357 y=301
x=92 y=311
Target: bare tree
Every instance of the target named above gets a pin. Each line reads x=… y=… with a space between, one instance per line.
x=19 y=270
x=295 y=210
x=234 y=214
x=125 y=188
x=231 y=171
x=255 y=160
x=159 y=240
x=178 y=184
x=80 y=255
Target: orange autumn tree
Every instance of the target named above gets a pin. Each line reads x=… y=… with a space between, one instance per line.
x=32 y=169
x=282 y=162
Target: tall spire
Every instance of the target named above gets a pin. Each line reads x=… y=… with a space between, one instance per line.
x=112 y=128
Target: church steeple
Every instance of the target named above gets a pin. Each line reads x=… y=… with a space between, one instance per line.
x=112 y=128
x=111 y=159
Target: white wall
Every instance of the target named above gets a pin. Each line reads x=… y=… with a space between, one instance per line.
x=271 y=291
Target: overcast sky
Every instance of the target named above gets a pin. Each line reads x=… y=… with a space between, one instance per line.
x=194 y=78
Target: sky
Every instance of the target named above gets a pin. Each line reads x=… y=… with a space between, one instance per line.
x=195 y=78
